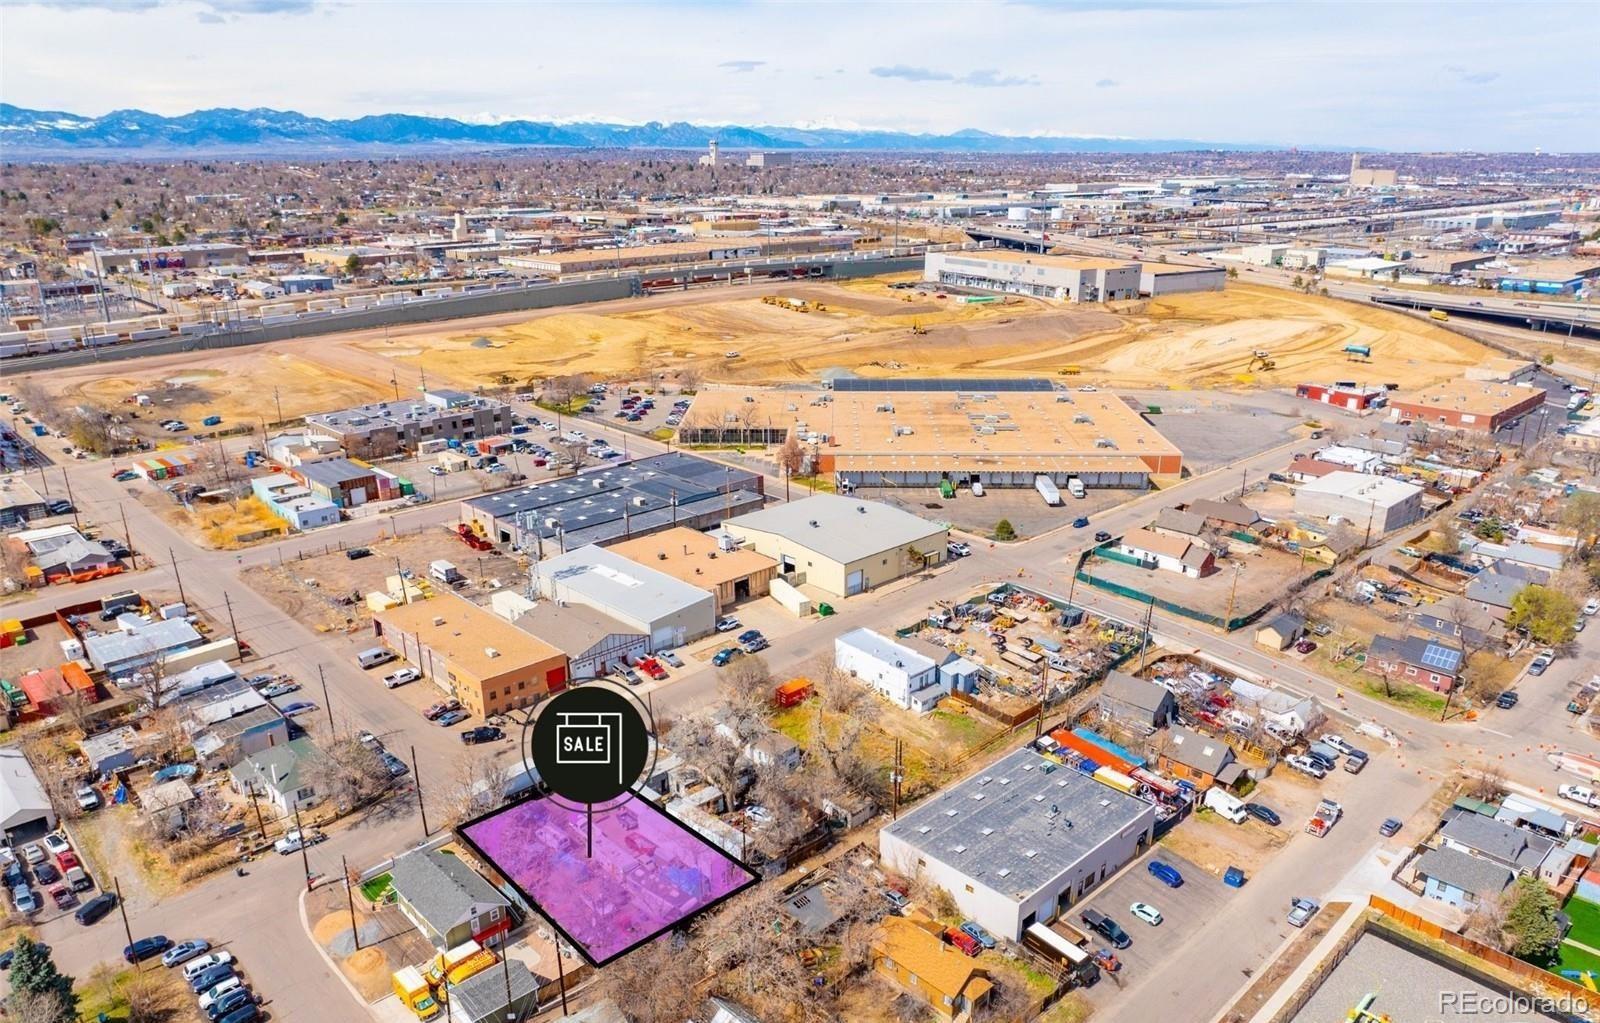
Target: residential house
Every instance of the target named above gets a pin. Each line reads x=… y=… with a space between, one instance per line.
x=167 y=804
x=912 y=952
x=1179 y=523
x=1280 y=711
x=1226 y=515
x=1422 y=660
x=1516 y=849
x=234 y=722
x=1456 y=618
x=905 y=677
x=1494 y=590
x=1201 y=759
x=1172 y=553
x=110 y=752
x=276 y=775
x=1280 y=631
x=448 y=901
x=1458 y=878
x=1136 y=704
x=1304 y=470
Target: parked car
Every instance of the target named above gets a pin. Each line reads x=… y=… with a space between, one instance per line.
x=215 y=994
x=46 y=873
x=1539 y=664
x=1080 y=522
x=1506 y=700
x=1592 y=608
x=1301 y=911
x=438 y=710
x=978 y=934
x=96 y=908
x=296 y=840
x=395 y=766
x=451 y=717
x=749 y=636
x=483 y=733
x=1166 y=873
x=1263 y=813
x=210 y=977
x=87 y=797
x=1105 y=927
x=55 y=844
x=1305 y=646
x=24 y=899
x=237 y=1006
x=194 y=967
x=1146 y=912
x=727 y=624
x=723 y=656
x=671 y=658
x=1390 y=827
x=399 y=678
x=1579 y=794
x=357 y=553
x=33 y=853
x=956 y=549
x=1102 y=536
x=144 y=948
x=962 y=940
x=184 y=951
x=63 y=897
x=278 y=689
x=1305 y=765
x=10 y=954
x=297 y=708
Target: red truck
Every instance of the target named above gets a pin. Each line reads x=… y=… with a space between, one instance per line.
x=652 y=667
x=962 y=940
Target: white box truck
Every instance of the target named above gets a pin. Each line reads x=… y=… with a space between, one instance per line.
x=1075 y=488
x=1047 y=490
x=1228 y=807
x=445 y=572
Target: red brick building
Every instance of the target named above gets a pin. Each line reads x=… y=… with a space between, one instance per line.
x=1351 y=397
x=1469 y=405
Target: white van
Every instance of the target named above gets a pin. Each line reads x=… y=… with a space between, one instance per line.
x=977 y=489
x=1228 y=807
x=374 y=656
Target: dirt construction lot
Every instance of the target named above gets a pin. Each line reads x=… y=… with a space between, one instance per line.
x=1261 y=578
x=1194 y=340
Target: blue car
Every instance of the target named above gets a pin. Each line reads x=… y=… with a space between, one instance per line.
x=1165 y=873
x=977 y=933
x=724 y=655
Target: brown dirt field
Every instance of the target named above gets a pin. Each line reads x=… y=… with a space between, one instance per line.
x=1198 y=340
x=369 y=971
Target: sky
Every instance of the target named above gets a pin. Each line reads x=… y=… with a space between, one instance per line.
x=1388 y=75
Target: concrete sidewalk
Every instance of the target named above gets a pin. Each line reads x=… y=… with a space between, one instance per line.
x=1307 y=966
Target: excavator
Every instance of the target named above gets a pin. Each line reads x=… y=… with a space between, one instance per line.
x=1260 y=359
x=918 y=328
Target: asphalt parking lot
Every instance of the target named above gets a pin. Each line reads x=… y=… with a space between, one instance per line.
x=1183 y=911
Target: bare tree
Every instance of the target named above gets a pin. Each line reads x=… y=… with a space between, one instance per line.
x=745 y=685
x=689 y=378
x=577 y=451
x=1487 y=921
x=791 y=456
x=658 y=983
x=149 y=675
x=718 y=757
x=23 y=1006
x=347 y=772
x=474 y=787
x=1487 y=782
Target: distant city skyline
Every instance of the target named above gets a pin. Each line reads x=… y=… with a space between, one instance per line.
x=1400 y=76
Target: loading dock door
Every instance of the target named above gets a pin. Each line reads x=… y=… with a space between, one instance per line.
x=855 y=583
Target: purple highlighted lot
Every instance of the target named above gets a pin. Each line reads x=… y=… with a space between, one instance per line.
x=648 y=872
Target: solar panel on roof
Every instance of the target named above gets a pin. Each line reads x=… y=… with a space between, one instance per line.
x=1441 y=657
x=860 y=384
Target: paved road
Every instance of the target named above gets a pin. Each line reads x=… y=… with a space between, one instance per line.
x=256 y=915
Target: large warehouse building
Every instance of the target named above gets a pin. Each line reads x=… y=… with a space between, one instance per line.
x=1469 y=404
x=614 y=503
x=669 y=611
x=920 y=433
x=840 y=545
x=1070 y=278
x=1021 y=842
x=1359 y=499
x=1157 y=279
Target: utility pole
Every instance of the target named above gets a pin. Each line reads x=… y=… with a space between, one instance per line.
x=261 y=824
x=350 y=900
x=122 y=907
x=322 y=676
x=1149 y=617
x=127 y=536
x=234 y=626
x=279 y=403
x=416 y=779
x=177 y=575
x=305 y=860
x=400 y=574
x=1233 y=589
x=78 y=524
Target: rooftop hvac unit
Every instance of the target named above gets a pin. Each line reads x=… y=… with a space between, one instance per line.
x=1105 y=442
x=1083 y=417
x=986 y=431
x=437 y=621
x=490 y=652
x=727 y=541
x=640 y=502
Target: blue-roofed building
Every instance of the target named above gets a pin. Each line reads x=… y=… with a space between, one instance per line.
x=1422 y=660
x=1110 y=747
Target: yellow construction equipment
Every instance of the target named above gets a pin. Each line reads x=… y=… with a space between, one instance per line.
x=1260 y=359
x=917 y=328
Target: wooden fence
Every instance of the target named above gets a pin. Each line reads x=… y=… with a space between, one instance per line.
x=1526 y=972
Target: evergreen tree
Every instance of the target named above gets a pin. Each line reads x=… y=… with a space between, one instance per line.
x=34 y=972
x=1531 y=921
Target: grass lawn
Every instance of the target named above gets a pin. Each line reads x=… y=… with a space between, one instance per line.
x=376 y=888
x=1571 y=958
x=1585 y=921
x=962 y=728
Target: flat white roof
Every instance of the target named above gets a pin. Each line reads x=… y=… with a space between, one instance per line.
x=1381 y=490
x=841 y=529
x=613 y=581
